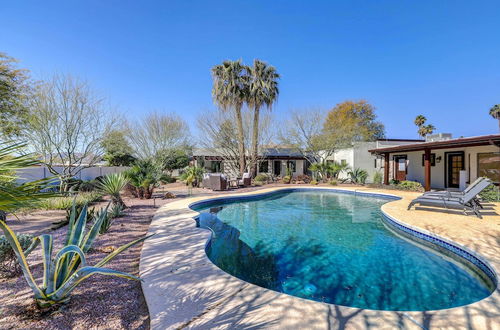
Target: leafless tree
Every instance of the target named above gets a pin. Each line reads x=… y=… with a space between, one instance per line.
x=304 y=132
x=158 y=132
x=218 y=135
x=66 y=125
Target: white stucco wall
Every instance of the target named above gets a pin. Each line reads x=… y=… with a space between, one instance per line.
x=416 y=170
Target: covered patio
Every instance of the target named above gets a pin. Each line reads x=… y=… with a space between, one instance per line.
x=446 y=164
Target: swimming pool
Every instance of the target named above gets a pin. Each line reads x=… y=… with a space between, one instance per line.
x=335 y=248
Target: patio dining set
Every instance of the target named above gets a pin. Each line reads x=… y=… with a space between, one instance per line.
x=219 y=181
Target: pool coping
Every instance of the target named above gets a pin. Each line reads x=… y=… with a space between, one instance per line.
x=186 y=290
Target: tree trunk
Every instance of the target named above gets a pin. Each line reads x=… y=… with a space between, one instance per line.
x=241 y=140
x=255 y=141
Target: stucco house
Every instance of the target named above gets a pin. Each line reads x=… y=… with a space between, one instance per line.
x=443 y=162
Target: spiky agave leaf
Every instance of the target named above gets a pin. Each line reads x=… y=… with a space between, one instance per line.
x=119 y=250
x=14 y=243
x=62 y=292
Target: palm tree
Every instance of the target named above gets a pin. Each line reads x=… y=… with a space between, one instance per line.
x=12 y=195
x=420 y=120
x=263 y=91
x=230 y=91
x=495 y=113
x=423 y=131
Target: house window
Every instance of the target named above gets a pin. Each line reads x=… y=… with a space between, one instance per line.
x=264 y=166
x=433 y=160
x=292 y=165
x=488 y=165
x=215 y=166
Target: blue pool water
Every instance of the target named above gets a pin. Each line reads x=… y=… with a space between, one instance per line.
x=334 y=248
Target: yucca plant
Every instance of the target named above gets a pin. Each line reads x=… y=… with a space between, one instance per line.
x=63 y=272
x=358 y=176
x=112 y=184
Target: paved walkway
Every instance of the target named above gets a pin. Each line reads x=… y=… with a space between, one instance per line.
x=184 y=289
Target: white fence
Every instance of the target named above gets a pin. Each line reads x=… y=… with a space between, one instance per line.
x=89 y=173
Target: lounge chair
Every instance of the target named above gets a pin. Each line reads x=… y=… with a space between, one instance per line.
x=459 y=194
x=465 y=202
x=218 y=182
x=246 y=181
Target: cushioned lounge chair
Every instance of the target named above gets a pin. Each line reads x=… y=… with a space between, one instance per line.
x=458 y=194
x=465 y=202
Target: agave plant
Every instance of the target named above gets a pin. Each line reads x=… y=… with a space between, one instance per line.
x=112 y=184
x=106 y=222
x=63 y=272
x=358 y=176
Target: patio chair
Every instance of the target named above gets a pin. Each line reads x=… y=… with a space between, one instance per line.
x=217 y=181
x=206 y=180
x=465 y=202
x=458 y=194
x=246 y=181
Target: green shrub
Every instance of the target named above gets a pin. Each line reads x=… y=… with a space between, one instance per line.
x=333 y=182
x=261 y=177
x=490 y=194
x=167 y=178
x=393 y=182
x=377 y=178
x=65 y=203
x=314 y=182
x=65 y=270
x=287 y=179
x=87 y=186
x=410 y=186
x=8 y=264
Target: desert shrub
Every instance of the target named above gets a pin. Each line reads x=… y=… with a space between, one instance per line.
x=145 y=177
x=490 y=194
x=314 y=182
x=167 y=178
x=107 y=220
x=116 y=211
x=410 y=186
x=8 y=262
x=261 y=178
x=65 y=203
x=304 y=178
x=393 y=182
x=287 y=179
x=377 y=178
x=333 y=182
x=87 y=186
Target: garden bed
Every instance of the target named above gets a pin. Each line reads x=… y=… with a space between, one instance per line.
x=100 y=301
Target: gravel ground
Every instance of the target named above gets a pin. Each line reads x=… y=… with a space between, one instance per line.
x=100 y=302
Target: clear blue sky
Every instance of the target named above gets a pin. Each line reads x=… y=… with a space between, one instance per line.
x=436 y=58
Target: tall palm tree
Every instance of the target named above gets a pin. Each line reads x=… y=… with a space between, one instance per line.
x=230 y=91
x=423 y=131
x=495 y=113
x=420 y=120
x=263 y=91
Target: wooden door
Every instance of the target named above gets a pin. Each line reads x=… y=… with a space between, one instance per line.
x=400 y=168
x=454 y=164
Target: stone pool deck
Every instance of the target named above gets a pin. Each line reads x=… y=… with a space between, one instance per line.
x=183 y=289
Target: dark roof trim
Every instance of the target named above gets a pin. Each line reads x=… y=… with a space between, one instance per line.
x=493 y=139
x=403 y=140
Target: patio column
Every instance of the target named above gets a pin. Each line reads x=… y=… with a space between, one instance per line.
x=386 y=168
x=427 y=164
